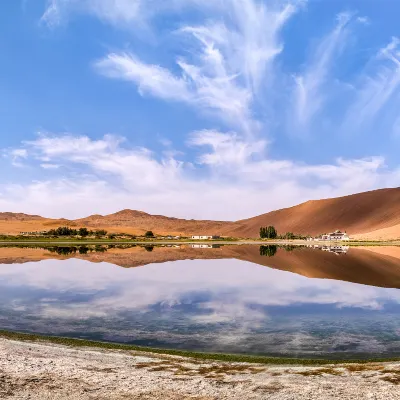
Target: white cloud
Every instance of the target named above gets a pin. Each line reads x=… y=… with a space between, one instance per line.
x=258 y=43
x=377 y=97
x=311 y=90
x=16 y=156
x=363 y=20
x=226 y=66
x=49 y=166
x=151 y=79
x=113 y=11
x=106 y=175
x=227 y=150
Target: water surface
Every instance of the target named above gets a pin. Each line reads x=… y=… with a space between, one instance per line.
x=238 y=299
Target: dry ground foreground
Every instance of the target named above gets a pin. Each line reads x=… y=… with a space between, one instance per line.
x=373 y=215
x=50 y=371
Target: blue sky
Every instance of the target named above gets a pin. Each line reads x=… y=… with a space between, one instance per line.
x=218 y=109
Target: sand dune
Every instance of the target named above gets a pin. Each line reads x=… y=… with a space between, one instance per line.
x=369 y=215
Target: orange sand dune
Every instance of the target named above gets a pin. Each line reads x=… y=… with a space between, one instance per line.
x=374 y=215
x=370 y=215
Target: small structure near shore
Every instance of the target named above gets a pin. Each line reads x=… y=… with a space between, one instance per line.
x=204 y=237
x=334 y=236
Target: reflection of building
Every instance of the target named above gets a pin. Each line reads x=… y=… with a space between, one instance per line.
x=205 y=246
x=336 y=249
x=204 y=237
x=335 y=236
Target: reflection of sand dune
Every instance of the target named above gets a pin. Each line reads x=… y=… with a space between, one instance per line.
x=375 y=266
x=358 y=265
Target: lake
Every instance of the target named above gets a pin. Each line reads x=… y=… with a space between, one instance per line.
x=333 y=302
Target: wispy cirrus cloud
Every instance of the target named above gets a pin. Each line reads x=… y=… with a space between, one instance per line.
x=311 y=86
x=150 y=79
x=378 y=94
x=227 y=65
x=113 y=11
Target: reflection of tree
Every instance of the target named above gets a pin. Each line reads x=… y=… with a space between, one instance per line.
x=100 y=249
x=149 y=248
x=67 y=250
x=63 y=251
x=83 y=250
x=289 y=247
x=269 y=250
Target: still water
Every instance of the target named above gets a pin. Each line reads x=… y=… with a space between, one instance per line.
x=335 y=302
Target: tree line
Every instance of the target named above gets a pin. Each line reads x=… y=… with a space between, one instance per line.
x=83 y=232
x=270 y=232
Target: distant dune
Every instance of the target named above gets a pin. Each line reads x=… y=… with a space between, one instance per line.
x=126 y=221
x=369 y=215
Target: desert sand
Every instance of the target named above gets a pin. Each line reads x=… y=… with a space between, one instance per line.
x=371 y=215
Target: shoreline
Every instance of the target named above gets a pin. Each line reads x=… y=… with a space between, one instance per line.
x=199 y=242
x=241 y=358
x=44 y=370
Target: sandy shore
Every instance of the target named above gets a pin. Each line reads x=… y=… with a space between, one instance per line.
x=31 y=370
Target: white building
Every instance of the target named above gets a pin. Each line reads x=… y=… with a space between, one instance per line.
x=204 y=237
x=336 y=236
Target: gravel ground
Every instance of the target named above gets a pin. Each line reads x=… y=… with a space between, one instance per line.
x=46 y=371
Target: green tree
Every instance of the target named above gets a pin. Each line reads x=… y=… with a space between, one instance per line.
x=268 y=232
x=149 y=234
x=83 y=232
x=271 y=232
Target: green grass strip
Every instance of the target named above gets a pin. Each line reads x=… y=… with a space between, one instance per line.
x=71 y=342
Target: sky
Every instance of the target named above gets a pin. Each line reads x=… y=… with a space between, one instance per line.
x=211 y=109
